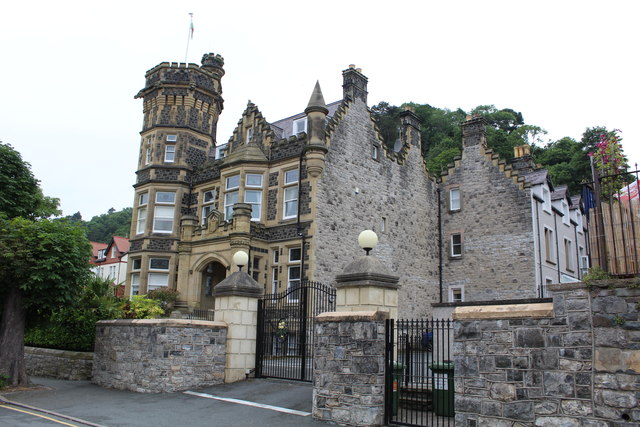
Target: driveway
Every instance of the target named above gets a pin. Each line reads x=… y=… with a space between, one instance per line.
x=255 y=402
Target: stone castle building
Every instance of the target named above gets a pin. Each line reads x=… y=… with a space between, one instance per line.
x=295 y=193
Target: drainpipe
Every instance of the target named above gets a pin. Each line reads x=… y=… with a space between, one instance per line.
x=538 y=238
x=555 y=224
x=575 y=232
x=439 y=191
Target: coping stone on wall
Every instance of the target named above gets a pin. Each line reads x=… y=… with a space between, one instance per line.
x=516 y=311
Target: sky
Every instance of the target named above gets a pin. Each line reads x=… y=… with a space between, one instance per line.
x=70 y=70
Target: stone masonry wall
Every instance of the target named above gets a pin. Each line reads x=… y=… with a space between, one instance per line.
x=401 y=194
x=159 y=355
x=542 y=371
x=349 y=368
x=61 y=364
x=495 y=222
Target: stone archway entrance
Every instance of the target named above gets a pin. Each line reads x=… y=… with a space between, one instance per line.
x=212 y=274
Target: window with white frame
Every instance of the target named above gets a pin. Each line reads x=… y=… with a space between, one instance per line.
x=290 y=194
x=208 y=200
x=456 y=245
x=232 y=184
x=454 y=199
x=141 y=221
x=568 y=254
x=579 y=221
x=293 y=279
x=546 y=199
x=299 y=125
x=163 y=215
x=456 y=294
x=549 y=245
x=147 y=159
x=172 y=138
x=169 y=153
x=375 y=152
x=158 y=273
x=249 y=135
x=276 y=256
x=565 y=212
x=113 y=251
x=135 y=276
x=254 y=197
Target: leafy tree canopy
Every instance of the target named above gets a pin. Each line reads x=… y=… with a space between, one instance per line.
x=21 y=194
x=102 y=227
x=566 y=159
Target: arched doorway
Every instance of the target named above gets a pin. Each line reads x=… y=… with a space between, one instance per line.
x=212 y=274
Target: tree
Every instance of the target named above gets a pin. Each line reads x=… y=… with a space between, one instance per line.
x=42 y=262
x=610 y=162
x=102 y=227
x=566 y=162
x=21 y=194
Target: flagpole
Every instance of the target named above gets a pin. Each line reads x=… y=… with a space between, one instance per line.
x=189 y=37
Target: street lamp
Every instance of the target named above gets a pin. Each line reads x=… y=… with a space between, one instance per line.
x=240 y=259
x=367 y=240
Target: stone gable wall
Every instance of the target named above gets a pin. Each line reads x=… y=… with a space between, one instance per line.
x=402 y=194
x=495 y=220
x=159 y=355
x=580 y=366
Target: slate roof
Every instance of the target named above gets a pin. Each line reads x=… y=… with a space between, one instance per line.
x=284 y=128
x=536 y=177
x=560 y=192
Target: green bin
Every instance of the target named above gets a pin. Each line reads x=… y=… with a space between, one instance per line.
x=398 y=369
x=443 y=388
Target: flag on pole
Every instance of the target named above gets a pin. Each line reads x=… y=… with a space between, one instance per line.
x=191 y=26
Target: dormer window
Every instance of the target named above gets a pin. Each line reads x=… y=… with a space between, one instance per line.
x=565 y=213
x=546 y=199
x=249 y=135
x=299 y=125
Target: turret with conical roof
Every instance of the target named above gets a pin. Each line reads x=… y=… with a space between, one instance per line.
x=316 y=149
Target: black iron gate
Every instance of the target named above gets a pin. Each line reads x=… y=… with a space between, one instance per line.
x=284 y=342
x=419 y=373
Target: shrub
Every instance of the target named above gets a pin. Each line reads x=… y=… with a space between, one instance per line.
x=141 y=307
x=73 y=327
x=595 y=273
x=166 y=297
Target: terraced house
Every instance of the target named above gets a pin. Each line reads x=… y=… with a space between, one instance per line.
x=295 y=193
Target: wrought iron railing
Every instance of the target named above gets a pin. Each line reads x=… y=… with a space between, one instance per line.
x=419 y=373
x=613 y=212
x=201 y=314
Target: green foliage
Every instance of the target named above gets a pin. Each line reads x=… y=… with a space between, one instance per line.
x=115 y=223
x=166 y=297
x=21 y=195
x=566 y=162
x=141 y=307
x=72 y=327
x=595 y=273
x=608 y=159
x=619 y=320
x=3 y=381
x=388 y=119
x=47 y=260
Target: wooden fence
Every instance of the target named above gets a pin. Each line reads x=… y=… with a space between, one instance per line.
x=614 y=241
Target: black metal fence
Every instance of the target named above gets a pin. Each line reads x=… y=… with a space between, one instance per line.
x=419 y=387
x=613 y=212
x=201 y=314
x=284 y=347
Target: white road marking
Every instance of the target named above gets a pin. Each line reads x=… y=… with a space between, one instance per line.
x=247 y=403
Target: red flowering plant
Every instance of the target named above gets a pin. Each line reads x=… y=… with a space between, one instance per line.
x=610 y=162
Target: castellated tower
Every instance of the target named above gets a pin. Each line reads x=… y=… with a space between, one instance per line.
x=182 y=103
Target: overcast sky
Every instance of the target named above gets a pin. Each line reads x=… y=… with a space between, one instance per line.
x=70 y=70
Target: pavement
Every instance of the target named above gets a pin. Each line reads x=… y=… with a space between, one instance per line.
x=254 y=402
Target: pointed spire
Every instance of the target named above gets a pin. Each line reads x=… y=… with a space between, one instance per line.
x=316 y=103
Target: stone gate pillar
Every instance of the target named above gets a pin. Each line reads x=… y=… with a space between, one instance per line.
x=237 y=305
x=365 y=285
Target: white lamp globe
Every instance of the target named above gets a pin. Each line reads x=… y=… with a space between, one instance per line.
x=240 y=258
x=368 y=240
